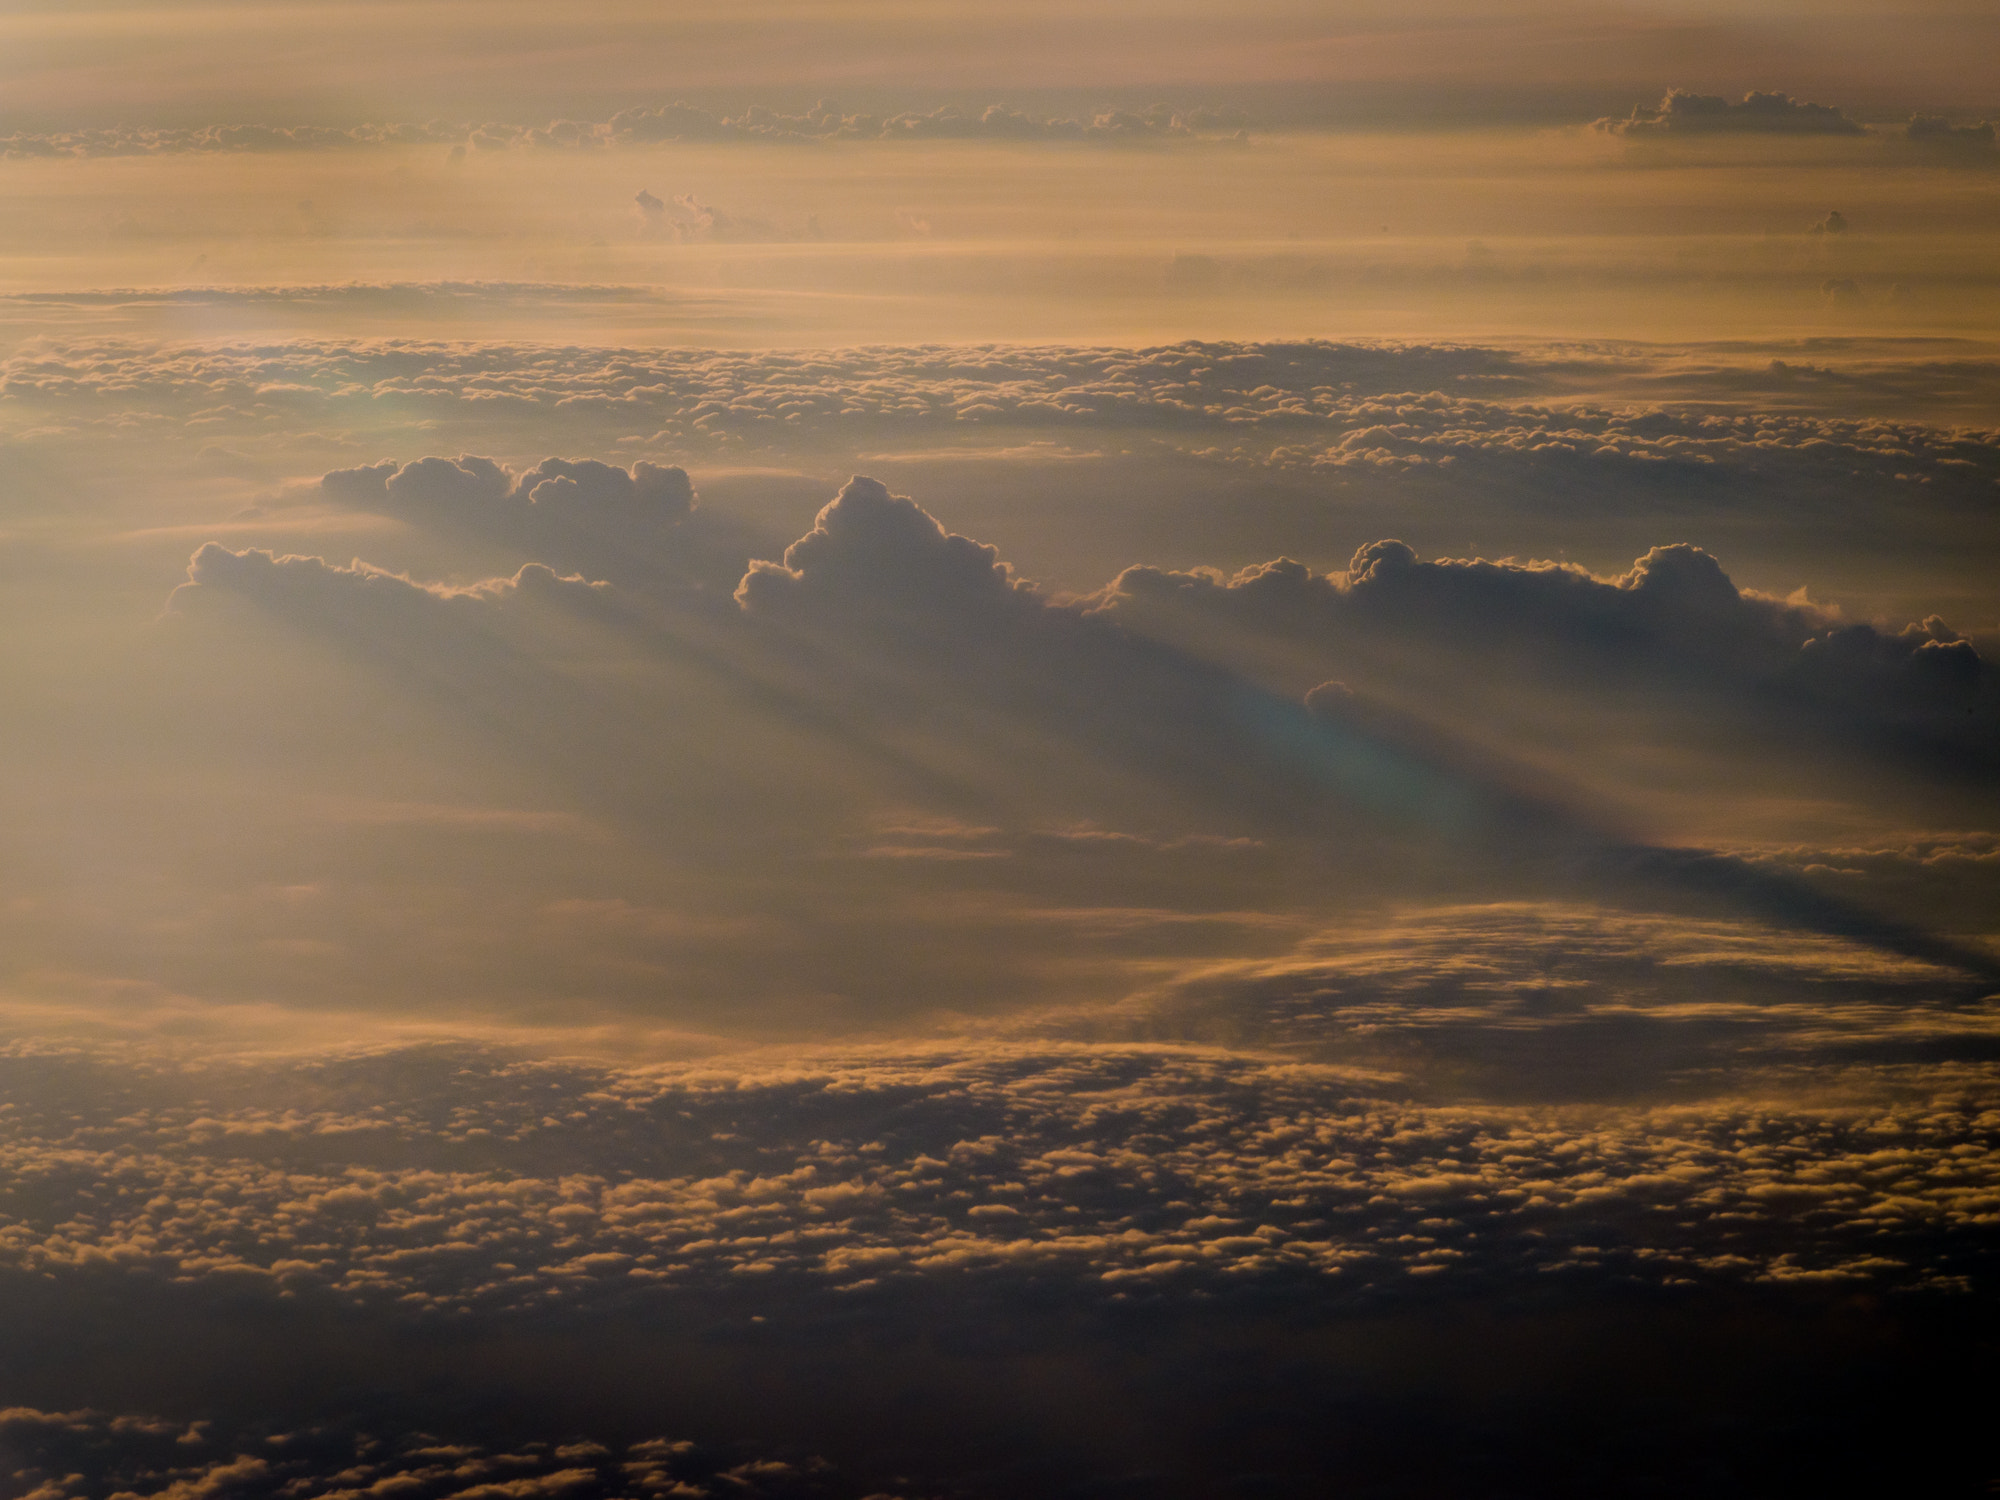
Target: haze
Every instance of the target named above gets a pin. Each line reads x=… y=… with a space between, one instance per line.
x=954 y=750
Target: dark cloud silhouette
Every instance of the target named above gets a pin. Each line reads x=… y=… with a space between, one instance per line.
x=1674 y=625
x=444 y=1182
x=1334 y=410
x=129 y=1454
x=637 y=526
x=879 y=620
x=1937 y=137
x=1757 y=113
x=870 y=551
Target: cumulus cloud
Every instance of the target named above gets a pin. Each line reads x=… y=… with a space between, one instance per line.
x=869 y=549
x=1378 y=1027
x=636 y=525
x=1757 y=113
x=442 y=1182
x=1673 y=624
x=915 y=653
x=1226 y=453
x=1338 y=410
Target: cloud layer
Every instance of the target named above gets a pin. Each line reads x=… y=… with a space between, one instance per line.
x=644 y=126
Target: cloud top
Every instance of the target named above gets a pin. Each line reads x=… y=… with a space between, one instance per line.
x=1759 y=112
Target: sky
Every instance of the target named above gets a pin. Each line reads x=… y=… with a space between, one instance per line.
x=947 y=751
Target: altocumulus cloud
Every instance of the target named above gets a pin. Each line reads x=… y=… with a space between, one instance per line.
x=434 y=1182
x=65 y=1454
x=1341 y=411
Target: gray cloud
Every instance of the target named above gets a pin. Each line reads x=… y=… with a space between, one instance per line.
x=1322 y=407
x=1674 y=623
x=1941 y=137
x=1098 y=1169
x=637 y=526
x=914 y=653
x=1757 y=113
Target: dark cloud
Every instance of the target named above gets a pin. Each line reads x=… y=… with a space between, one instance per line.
x=1672 y=1143
x=1940 y=137
x=88 y=1452
x=1226 y=453
x=871 y=551
x=1674 y=631
x=915 y=654
x=1332 y=409
x=1757 y=113
x=637 y=526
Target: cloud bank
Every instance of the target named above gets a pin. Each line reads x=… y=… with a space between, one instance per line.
x=646 y=125
x=1682 y=112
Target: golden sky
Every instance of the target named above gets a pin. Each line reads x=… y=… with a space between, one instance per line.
x=366 y=58
x=955 y=751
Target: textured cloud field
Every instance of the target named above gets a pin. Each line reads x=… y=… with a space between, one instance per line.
x=659 y=993
x=990 y=792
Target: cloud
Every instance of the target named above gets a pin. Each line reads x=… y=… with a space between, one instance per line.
x=1937 y=136
x=635 y=525
x=128 y=1456
x=1757 y=113
x=1673 y=630
x=640 y=126
x=918 y=664
x=872 y=551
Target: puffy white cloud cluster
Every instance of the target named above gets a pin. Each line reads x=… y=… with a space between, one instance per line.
x=686 y=122
x=1938 y=136
x=635 y=525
